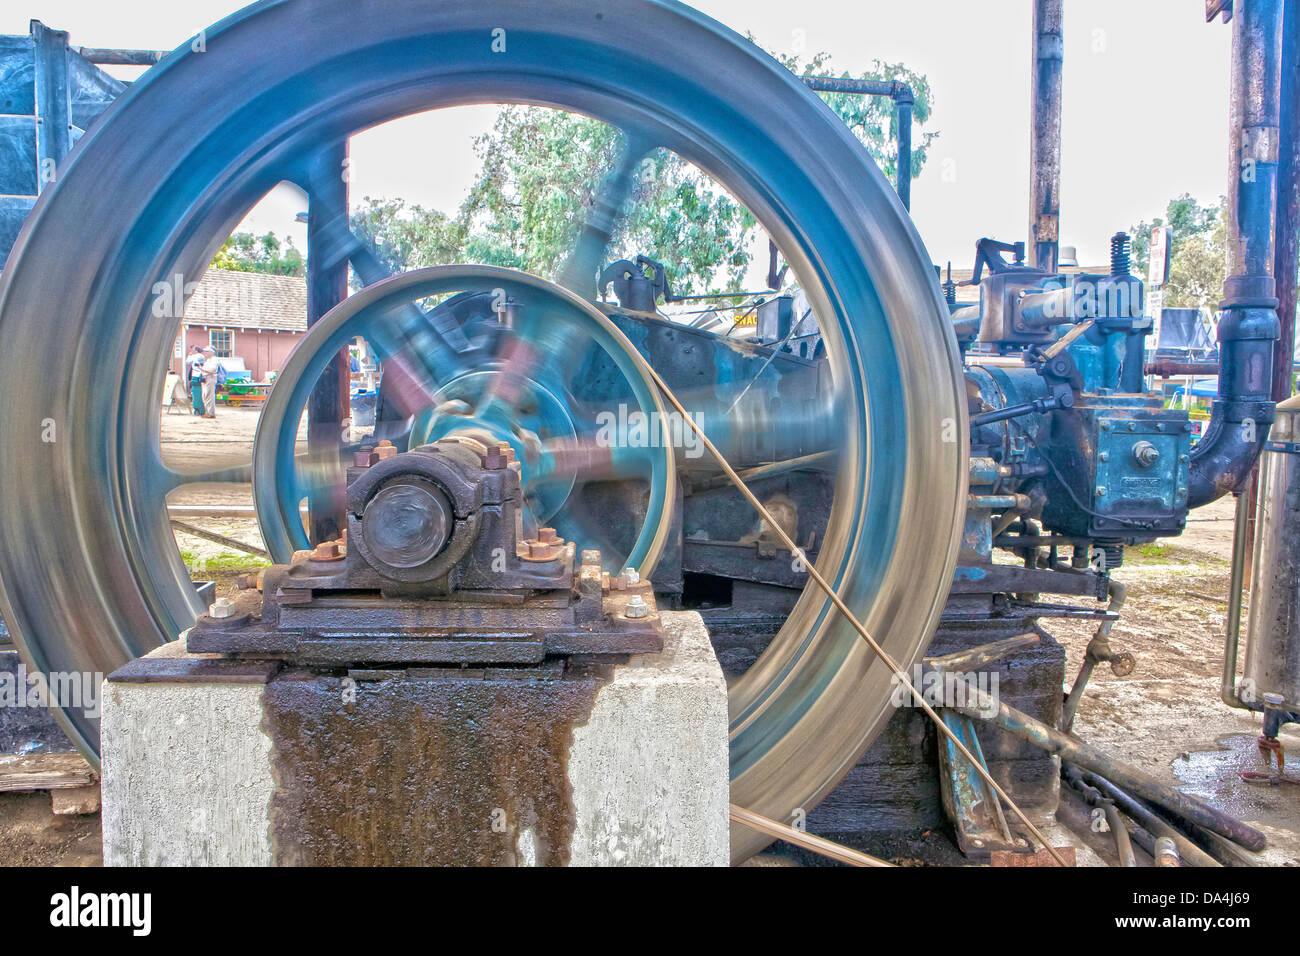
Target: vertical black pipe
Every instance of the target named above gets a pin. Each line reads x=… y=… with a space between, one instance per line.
x=904 y=99
x=1248 y=326
x=327 y=286
x=1286 y=252
x=1045 y=135
x=903 y=102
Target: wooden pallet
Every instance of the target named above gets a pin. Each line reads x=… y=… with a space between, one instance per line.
x=73 y=785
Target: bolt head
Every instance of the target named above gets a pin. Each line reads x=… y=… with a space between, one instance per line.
x=631 y=576
x=221 y=608
x=636 y=607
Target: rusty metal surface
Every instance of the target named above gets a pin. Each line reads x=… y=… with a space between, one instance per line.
x=444 y=769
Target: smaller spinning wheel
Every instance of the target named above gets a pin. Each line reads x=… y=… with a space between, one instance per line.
x=513 y=384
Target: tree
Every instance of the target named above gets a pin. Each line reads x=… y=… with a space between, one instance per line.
x=407 y=237
x=244 y=252
x=1185 y=217
x=542 y=170
x=1198 y=262
x=1198 y=267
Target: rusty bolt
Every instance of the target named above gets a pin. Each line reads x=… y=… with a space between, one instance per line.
x=541 y=551
x=506 y=449
x=494 y=461
x=385 y=449
x=364 y=458
x=547 y=535
x=221 y=608
x=636 y=607
x=326 y=551
x=590 y=556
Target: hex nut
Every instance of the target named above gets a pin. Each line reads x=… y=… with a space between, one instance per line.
x=636 y=607
x=221 y=608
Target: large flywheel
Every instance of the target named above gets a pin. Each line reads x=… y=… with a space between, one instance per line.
x=90 y=573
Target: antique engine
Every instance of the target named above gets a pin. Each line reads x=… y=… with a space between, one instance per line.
x=528 y=492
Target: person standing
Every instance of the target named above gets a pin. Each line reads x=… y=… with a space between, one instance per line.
x=194 y=379
x=211 y=371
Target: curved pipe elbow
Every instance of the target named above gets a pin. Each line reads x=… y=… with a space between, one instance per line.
x=1222 y=460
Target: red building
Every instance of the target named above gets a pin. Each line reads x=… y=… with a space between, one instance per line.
x=246 y=315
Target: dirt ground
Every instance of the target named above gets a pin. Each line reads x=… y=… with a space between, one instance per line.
x=193 y=443
x=1165 y=717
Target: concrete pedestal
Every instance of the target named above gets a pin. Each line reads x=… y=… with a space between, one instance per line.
x=191 y=775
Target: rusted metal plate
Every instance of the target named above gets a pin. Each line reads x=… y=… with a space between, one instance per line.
x=1040 y=858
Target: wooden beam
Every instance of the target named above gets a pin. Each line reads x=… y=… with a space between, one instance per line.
x=45 y=772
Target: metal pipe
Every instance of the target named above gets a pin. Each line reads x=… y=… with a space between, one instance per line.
x=1167 y=367
x=1232 y=629
x=1167 y=852
x=1045 y=134
x=1149 y=821
x=1122 y=844
x=1098 y=650
x=979 y=705
x=1096 y=799
x=1248 y=328
x=904 y=100
x=1286 y=251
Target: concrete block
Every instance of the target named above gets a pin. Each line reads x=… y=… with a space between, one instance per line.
x=78 y=801
x=188 y=778
x=650 y=768
x=185 y=771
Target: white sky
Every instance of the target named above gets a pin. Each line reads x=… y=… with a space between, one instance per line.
x=1145 y=105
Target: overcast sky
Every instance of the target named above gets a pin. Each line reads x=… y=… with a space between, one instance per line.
x=1145 y=108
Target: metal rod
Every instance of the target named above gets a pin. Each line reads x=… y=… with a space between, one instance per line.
x=849 y=616
x=1232 y=628
x=772 y=828
x=220 y=539
x=979 y=704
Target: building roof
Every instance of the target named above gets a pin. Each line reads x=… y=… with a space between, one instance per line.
x=248 y=300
